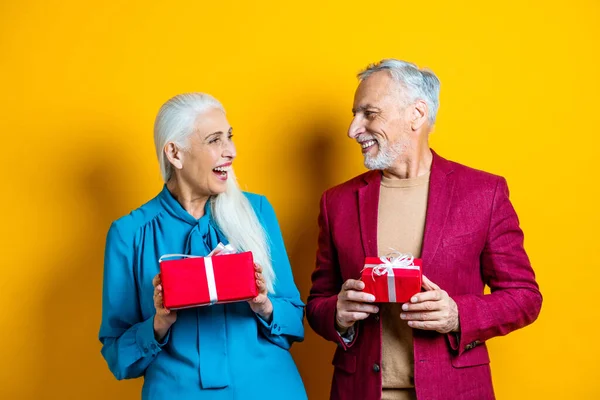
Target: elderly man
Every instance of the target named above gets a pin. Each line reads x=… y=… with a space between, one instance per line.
x=458 y=220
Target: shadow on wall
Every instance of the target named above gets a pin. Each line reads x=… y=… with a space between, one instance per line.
x=318 y=160
x=71 y=367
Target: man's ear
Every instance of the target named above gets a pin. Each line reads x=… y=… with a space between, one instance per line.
x=174 y=155
x=419 y=115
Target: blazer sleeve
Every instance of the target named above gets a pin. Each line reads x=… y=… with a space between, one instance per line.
x=128 y=343
x=515 y=300
x=326 y=284
x=286 y=325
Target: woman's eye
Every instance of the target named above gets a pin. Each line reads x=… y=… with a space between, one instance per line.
x=215 y=140
x=230 y=137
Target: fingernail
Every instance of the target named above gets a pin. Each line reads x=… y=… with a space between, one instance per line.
x=404 y=307
x=413 y=300
x=371 y=298
x=410 y=323
x=402 y=315
x=376 y=309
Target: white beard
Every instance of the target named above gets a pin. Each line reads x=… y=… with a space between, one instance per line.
x=385 y=157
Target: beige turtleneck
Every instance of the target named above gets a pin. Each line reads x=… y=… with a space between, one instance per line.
x=400 y=226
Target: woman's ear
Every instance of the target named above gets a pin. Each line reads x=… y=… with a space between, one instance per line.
x=419 y=116
x=174 y=155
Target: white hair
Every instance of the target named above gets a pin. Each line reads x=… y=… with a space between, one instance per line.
x=421 y=84
x=232 y=210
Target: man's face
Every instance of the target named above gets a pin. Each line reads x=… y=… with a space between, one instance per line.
x=381 y=123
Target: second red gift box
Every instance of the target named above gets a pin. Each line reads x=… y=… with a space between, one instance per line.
x=392 y=279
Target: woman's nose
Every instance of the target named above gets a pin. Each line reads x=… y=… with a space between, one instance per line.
x=229 y=150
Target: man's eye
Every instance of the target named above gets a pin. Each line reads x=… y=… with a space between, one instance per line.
x=369 y=114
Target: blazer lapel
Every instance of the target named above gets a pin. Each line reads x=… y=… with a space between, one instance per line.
x=441 y=187
x=368 y=205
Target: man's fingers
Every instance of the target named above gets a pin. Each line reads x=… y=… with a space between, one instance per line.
x=425 y=325
x=429 y=285
x=431 y=295
x=353 y=284
x=422 y=316
x=156 y=280
x=352 y=306
x=424 y=306
x=353 y=316
x=360 y=297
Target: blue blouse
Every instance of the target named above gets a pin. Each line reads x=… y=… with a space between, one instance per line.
x=223 y=351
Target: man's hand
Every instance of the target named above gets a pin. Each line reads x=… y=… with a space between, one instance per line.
x=352 y=305
x=432 y=310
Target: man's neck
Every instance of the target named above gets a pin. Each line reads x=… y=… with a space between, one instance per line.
x=411 y=164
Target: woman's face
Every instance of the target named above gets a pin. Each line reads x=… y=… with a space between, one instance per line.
x=206 y=162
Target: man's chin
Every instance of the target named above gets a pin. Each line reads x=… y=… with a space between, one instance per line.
x=375 y=163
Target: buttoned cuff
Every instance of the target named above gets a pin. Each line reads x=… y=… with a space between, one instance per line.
x=274 y=327
x=144 y=337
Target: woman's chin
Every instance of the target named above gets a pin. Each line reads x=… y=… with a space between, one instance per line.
x=218 y=186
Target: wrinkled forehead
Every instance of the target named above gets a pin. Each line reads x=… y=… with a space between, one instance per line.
x=377 y=89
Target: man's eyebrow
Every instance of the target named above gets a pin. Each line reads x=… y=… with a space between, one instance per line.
x=365 y=107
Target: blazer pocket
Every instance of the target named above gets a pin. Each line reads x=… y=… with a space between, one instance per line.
x=344 y=361
x=476 y=356
x=463 y=239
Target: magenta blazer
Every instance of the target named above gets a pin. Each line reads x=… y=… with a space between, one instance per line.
x=472 y=238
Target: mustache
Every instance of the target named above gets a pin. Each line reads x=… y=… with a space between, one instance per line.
x=363 y=137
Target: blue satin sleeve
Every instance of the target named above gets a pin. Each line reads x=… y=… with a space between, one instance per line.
x=286 y=326
x=128 y=343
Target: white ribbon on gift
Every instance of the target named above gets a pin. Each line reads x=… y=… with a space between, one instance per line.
x=395 y=259
x=208 y=266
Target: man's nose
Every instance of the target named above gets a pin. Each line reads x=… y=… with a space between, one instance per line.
x=356 y=127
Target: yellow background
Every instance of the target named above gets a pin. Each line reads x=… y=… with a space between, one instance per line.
x=82 y=81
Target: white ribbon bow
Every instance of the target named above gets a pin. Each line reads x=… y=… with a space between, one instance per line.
x=395 y=259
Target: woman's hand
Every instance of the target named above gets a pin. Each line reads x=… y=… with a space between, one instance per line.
x=164 y=318
x=261 y=304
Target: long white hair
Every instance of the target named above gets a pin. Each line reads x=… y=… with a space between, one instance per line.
x=231 y=209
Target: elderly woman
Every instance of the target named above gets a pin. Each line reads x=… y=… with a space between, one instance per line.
x=224 y=351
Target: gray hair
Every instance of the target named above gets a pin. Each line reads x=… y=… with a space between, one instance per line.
x=231 y=209
x=175 y=123
x=421 y=84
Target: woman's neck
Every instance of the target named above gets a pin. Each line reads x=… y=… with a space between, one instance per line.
x=185 y=195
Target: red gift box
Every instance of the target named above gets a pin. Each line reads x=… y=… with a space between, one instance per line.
x=197 y=281
x=392 y=280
